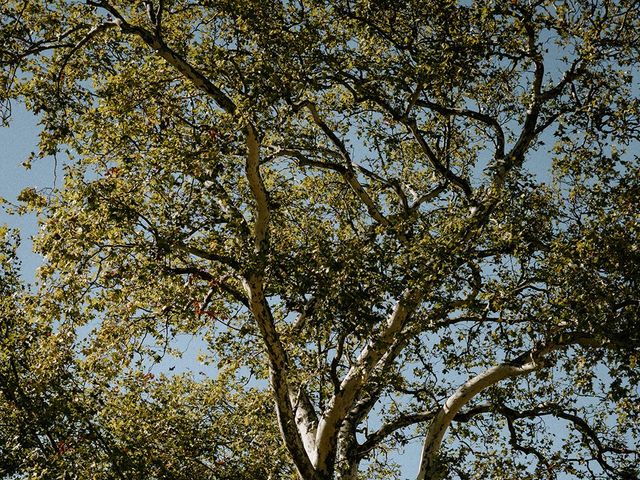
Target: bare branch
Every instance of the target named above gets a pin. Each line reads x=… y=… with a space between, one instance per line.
x=515 y=443
x=481 y=117
x=329 y=132
x=347 y=171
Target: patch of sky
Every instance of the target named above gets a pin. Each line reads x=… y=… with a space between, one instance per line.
x=17 y=142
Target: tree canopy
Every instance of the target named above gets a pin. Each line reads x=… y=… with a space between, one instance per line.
x=387 y=227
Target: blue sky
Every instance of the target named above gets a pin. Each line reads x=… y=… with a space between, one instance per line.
x=17 y=141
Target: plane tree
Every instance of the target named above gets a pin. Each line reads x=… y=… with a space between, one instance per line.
x=406 y=223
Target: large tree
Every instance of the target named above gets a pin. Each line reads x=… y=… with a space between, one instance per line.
x=384 y=223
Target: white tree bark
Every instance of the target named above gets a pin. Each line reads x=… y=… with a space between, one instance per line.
x=293 y=417
x=430 y=469
x=339 y=406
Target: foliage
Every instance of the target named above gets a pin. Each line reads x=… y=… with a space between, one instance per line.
x=62 y=422
x=417 y=221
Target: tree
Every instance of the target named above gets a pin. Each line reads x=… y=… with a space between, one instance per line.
x=417 y=220
x=58 y=423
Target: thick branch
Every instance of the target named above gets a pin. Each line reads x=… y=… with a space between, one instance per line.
x=515 y=157
x=306 y=419
x=252 y=170
x=253 y=282
x=295 y=412
x=378 y=348
x=430 y=468
x=278 y=376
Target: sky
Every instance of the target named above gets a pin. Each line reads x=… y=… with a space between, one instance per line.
x=16 y=143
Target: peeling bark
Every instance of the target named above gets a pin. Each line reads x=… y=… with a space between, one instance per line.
x=290 y=418
x=278 y=377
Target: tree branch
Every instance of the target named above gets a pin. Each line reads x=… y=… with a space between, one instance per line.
x=376 y=350
x=515 y=157
x=388 y=428
x=352 y=180
x=279 y=378
x=549 y=409
x=456 y=180
x=204 y=275
x=430 y=467
x=154 y=41
x=347 y=171
x=252 y=170
x=467 y=113
x=207 y=255
x=96 y=29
